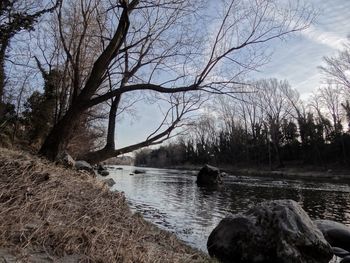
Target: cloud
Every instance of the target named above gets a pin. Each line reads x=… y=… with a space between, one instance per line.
x=330 y=39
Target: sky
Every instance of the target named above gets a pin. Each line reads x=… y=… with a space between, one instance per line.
x=295 y=60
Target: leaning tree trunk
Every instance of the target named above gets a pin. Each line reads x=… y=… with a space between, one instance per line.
x=58 y=138
x=98 y=156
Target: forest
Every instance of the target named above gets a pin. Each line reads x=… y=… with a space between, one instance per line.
x=70 y=71
x=270 y=127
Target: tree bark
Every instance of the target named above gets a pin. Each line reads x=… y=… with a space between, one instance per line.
x=58 y=138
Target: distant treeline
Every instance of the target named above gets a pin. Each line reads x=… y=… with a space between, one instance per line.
x=268 y=127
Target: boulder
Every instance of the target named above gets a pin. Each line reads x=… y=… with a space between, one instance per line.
x=337 y=234
x=110 y=182
x=209 y=176
x=65 y=159
x=83 y=165
x=103 y=173
x=339 y=252
x=345 y=260
x=102 y=170
x=275 y=232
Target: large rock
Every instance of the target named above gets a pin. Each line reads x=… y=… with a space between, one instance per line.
x=65 y=159
x=345 y=260
x=340 y=252
x=275 y=232
x=85 y=166
x=209 y=176
x=337 y=234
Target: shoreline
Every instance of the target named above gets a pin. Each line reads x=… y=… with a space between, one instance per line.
x=51 y=213
x=291 y=174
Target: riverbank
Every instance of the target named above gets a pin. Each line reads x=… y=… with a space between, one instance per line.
x=50 y=213
x=294 y=173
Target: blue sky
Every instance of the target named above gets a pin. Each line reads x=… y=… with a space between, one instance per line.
x=295 y=60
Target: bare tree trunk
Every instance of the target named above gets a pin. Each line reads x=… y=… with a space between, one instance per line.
x=19 y=100
x=109 y=150
x=278 y=156
x=2 y=76
x=111 y=123
x=98 y=156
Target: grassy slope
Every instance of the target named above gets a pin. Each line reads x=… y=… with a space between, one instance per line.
x=49 y=213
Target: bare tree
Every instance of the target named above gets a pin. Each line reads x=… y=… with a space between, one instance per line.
x=337 y=73
x=151 y=49
x=331 y=98
x=327 y=102
x=276 y=107
x=16 y=16
x=337 y=68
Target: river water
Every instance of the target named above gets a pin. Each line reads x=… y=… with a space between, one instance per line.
x=171 y=199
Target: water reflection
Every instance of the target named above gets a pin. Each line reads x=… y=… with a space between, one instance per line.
x=172 y=200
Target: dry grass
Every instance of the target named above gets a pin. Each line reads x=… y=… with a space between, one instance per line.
x=52 y=214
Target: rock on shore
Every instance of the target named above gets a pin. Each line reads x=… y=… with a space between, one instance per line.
x=337 y=235
x=275 y=232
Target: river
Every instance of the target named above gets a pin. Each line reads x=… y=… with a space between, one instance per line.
x=171 y=199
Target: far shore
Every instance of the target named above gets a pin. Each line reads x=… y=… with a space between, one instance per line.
x=291 y=173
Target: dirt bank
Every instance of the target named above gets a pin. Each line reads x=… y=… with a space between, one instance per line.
x=52 y=214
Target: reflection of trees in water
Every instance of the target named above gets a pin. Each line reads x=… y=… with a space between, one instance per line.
x=242 y=197
x=175 y=202
x=179 y=194
x=208 y=205
x=235 y=198
x=327 y=205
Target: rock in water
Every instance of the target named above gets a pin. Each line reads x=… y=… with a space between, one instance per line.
x=137 y=171
x=209 y=176
x=102 y=170
x=272 y=232
x=110 y=182
x=103 y=173
x=337 y=234
x=100 y=167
